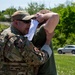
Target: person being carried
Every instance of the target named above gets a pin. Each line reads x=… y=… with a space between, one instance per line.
x=48 y=21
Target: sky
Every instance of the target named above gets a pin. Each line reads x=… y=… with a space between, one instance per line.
x=4 y=4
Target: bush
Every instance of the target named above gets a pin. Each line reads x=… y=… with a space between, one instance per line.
x=2 y=27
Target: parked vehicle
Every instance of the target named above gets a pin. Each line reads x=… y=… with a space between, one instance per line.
x=67 y=49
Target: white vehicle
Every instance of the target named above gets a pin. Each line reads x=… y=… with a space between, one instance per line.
x=67 y=49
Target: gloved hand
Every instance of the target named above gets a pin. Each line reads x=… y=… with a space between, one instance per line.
x=47 y=49
x=33 y=55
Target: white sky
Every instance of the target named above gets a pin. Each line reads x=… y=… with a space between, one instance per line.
x=4 y=4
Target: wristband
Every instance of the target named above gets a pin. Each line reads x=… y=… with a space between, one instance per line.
x=47 y=49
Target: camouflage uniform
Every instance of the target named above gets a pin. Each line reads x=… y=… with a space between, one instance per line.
x=20 y=67
x=17 y=54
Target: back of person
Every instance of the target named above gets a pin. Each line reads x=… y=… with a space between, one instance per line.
x=15 y=53
x=17 y=56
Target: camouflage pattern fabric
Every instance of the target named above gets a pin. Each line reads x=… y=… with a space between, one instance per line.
x=18 y=56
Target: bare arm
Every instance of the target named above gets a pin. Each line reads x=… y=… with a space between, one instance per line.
x=52 y=21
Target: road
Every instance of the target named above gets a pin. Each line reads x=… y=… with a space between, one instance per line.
x=5 y=23
x=67 y=54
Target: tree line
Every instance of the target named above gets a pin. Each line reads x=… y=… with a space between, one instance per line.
x=65 y=30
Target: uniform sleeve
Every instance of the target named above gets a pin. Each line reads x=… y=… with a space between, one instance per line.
x=1 y=45
x=2 y=38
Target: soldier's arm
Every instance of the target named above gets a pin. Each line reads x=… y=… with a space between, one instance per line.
x=1 y=42
x=1 y=46
x=51 y=19
x=42 y=54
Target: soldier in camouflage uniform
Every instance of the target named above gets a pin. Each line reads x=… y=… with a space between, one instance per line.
x=18 y=55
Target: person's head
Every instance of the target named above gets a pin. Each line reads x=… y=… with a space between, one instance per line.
x=21 y=20
x=44 y=11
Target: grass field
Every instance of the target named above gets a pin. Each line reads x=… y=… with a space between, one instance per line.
x=65 y=64
x=2 y=27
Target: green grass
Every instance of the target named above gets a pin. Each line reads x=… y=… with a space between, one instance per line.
x=65 y=64
x=2 y=27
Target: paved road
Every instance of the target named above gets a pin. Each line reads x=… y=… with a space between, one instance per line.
x=67 y=54
x=5 y=23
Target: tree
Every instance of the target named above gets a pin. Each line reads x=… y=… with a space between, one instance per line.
x=34 y=7
x=8 y=12
x=65 y=30
x=20 y=8
x=68 y=21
